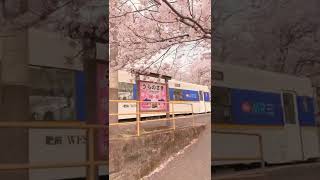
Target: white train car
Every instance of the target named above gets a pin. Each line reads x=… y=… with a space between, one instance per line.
x=182 y=94
x=57 y=94
x=277 y=107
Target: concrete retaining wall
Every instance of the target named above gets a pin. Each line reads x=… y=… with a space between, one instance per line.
x=133 y=158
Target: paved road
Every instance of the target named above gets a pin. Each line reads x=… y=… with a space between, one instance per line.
x=194 y=163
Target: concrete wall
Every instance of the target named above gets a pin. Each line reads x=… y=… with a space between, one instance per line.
x=133 y=158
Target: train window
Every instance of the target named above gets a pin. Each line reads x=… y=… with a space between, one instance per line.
x=52 y=94
x=125 y=91
x=305 y=104
x=201 y=95
x=207 y=96
x=178 y=94
x=289 y=108
x=218 y=75
x=221 y=96
x=221 y=105
x=318 y=91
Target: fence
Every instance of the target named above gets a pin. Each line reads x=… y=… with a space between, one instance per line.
x=91 y=163
x=138 y=114
x=258 y=158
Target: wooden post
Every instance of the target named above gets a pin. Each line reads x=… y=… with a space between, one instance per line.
x=138 y=104
x=261 y=152
x=205 y=106
x=173 y=118
x=138 y=118
x=168 y=105
x=93 y=108
x=193 y=119
x=91 y=173
x=90 y=70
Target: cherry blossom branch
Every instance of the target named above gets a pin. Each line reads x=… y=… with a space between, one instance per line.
x=183 y=18
x=161 y=57
x=43 y=16
x=131 y=12
x=152 y=40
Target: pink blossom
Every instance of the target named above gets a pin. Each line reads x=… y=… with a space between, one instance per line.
x=142 y=30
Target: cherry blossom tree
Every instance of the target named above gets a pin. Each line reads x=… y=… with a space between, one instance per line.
x=81 y=20
x=144 y=32
x=273 y=35
x=199 y=72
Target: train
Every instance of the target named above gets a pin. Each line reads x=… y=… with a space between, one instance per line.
x=57 y=95
x=183 y=92
x=263 y=117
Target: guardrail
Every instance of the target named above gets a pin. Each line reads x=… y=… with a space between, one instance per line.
x=91 y=163
x=138 y=114
x=258 y=158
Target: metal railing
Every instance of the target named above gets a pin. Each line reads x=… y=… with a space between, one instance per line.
x=138 y=114
x=90 y=163
x=258 y=158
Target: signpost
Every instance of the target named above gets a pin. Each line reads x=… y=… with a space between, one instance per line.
x=152 y=97
x=97 y=111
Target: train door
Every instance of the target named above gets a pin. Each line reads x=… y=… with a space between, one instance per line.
x=292 y=127
x=202 y=107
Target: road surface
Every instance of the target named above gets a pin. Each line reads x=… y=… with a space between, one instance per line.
x=194 y=162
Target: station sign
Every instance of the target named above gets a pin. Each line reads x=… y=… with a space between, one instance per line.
x=154 y=95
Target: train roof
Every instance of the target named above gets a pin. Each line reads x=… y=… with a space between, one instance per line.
x=188 y=85
x=235 y=76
